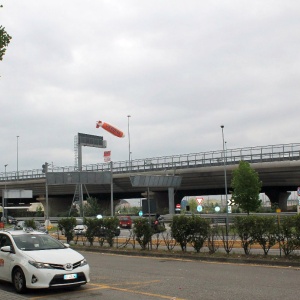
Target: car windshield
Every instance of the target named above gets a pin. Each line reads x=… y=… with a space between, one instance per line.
x=79 y=227
x=30 y=242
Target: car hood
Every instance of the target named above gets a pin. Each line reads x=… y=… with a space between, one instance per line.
x=57 y=256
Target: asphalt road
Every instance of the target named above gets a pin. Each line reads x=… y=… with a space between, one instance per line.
x=142 y=278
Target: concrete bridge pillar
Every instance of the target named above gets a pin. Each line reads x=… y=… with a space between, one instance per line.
x=171 y=200
x=163 y=200
x=279 y=198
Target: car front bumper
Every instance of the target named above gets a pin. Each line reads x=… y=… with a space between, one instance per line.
x=54 y=278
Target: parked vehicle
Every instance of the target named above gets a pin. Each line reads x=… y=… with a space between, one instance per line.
x=125 y=222
x=38 y=226
x=34 y=259
x=11 y=220
x=80 y=229
x=104 y=230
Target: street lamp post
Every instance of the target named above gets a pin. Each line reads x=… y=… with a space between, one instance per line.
x=4 y=196
x=129 y=152
x=17 y=157
x=225 y=178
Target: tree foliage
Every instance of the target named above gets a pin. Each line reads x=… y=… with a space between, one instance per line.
x=143 y=232
x=91 y=208
x=199 y=231
x=244 y=227
x=4 y=40
x=66 y=225
x=181 y=231
x=246 y=187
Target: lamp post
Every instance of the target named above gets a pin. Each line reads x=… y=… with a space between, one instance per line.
x=4 y=196
x=129 y=153
x=225 y=178
x=17 y=157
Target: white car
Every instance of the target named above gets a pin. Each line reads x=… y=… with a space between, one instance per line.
x=80 y=229
x=34 y=259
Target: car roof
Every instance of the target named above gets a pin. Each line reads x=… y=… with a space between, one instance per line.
x=22 y=232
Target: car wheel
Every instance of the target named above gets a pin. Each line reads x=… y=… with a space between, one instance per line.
x=19 y=281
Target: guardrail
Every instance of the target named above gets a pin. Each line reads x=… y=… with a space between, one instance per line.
x=215 y=218
x=259 y=154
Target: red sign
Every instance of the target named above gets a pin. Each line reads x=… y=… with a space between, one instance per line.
x=106 y=156
x=199 y=200
x=178 y=205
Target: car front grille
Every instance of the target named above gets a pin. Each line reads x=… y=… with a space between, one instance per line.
x=61 y=267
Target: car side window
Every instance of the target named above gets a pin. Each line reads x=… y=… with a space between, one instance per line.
x=2 y=241
x=5 y=241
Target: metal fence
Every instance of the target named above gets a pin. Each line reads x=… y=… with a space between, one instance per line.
x=258 y=154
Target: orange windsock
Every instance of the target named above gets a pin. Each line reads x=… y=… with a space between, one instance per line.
x=113 y=130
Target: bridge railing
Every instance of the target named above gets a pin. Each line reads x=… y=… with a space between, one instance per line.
x=259 y=154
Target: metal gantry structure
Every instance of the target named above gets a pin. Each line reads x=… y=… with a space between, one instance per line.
x=258 y=154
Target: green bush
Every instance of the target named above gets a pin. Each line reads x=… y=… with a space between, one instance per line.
x=30 y=223
x=110 y=225
x=287 y=234
x=66 y=225
x=142 y=231
x=91 y=232
x=181 y=231
x=244 y=227
x=265 y=232
x=199 y=231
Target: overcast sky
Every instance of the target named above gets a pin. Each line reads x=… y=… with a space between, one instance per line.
x=179 y=68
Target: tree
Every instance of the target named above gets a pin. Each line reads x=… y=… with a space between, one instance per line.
x=142 y=231
x=91 y=208
x=199 y=231
x=66 y=225
x=246 y=187
x=4 y=40
x=181 y=230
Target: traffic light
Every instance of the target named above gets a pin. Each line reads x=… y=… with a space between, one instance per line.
x=45 y=167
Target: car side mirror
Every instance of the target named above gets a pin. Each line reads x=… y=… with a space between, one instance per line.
x=6 y=249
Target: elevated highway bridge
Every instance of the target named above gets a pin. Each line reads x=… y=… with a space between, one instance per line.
x=202 y=173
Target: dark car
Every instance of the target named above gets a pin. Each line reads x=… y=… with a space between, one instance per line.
x=125 y=222
x=11 y=220
x=105 y=232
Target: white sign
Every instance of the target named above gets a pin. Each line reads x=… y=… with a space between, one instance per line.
x=16 y=194
x=230 y=202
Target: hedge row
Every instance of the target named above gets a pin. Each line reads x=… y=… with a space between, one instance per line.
x=197 y=232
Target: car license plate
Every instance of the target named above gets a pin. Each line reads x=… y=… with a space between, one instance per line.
x=70 y=276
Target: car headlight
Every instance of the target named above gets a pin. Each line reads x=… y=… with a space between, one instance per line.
x=83 y=263
x=39 y=265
